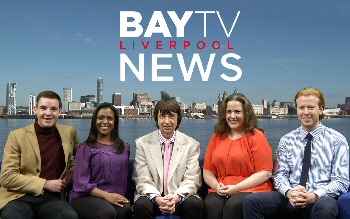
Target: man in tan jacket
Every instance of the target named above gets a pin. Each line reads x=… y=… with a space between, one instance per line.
x=36 y=167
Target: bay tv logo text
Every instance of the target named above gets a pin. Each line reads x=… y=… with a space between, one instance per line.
x=131 y=28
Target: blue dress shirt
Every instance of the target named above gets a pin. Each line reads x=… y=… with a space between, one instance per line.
x=329 y=171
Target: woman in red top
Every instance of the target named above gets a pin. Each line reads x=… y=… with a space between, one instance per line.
x=238 y=160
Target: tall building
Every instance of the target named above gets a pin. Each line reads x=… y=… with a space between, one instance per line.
x=67 y=98
x=117 y=99
x=31 y=104
x=11 y=99
x=99 y=91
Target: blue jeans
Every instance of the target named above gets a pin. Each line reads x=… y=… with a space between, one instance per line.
x=275 y=205
x=48 y=205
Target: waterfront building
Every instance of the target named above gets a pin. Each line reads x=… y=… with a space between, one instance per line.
x=258 y=109
x=11 y=99
x=2 y=111
x=99 y=91
x=75 y=107
x=183 y=107
x=164 y=95
x=277 y=109
x=67 y=98
x=197 y=107
x=331 y=112
x=283 y=104
x=347 y=106
x=89 y=105
x=127 y=110
x=22 y=110
x=32 y=104
x=88 y=98
x=215 y=108
x=138 y=98
x=117 y=99
x=146 y=108
x=266 y=106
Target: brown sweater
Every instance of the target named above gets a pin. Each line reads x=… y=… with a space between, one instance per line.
x=51 y=151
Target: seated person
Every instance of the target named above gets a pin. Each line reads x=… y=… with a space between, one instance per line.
x=37 y=165
x=166 y=168
x=101 y=169
x=312 y=168
x=238 y=160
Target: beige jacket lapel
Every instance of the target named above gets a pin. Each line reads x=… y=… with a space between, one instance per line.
x=176 y=155
x=154 y=149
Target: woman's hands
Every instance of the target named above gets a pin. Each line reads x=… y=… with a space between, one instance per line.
x=113 y=198
x=227 y=190
x=116 y=199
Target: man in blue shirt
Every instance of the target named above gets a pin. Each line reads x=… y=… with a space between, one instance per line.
x=312 y=168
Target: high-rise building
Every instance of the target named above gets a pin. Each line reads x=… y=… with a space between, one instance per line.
x=11 y=99
x=117 y=99
x=87 y=98
x=99 y=91
x=67 y=98
x=31 y=104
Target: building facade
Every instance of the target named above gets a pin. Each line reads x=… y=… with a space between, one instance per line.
x=99 y=91
x=88 y=98
x=138 y=98
x=67 y=98
x=11 y=104
x=117 y=99
x=32 y=104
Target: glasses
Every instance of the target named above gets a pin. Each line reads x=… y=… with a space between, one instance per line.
x=170 y=117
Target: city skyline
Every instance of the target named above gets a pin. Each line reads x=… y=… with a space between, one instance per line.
x=283 y=47
x=64 y=98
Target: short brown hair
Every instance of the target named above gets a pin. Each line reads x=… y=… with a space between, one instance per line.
x=50 y=95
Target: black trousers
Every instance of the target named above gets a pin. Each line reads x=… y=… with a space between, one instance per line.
x=48 y=205
x=219 y=207
x=191 y=208
x=94 y=207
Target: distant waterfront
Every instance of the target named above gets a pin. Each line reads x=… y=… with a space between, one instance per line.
x=200 y=129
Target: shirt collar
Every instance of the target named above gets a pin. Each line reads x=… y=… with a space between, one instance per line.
x=162 y=139
x=315 y=133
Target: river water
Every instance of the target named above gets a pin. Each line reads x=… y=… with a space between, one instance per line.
x=199 y=129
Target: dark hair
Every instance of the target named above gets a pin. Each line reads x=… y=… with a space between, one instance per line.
x=311 y=91
x=166 y=106
x=250 y=120
x=49 y=94
x=92 y=138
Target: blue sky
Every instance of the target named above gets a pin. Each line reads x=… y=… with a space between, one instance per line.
x=284 y=46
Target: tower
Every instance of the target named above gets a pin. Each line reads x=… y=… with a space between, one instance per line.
x=11 y=99
x=67 y=98
x=99 y=91
x=31 y=104
x=117 y=99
